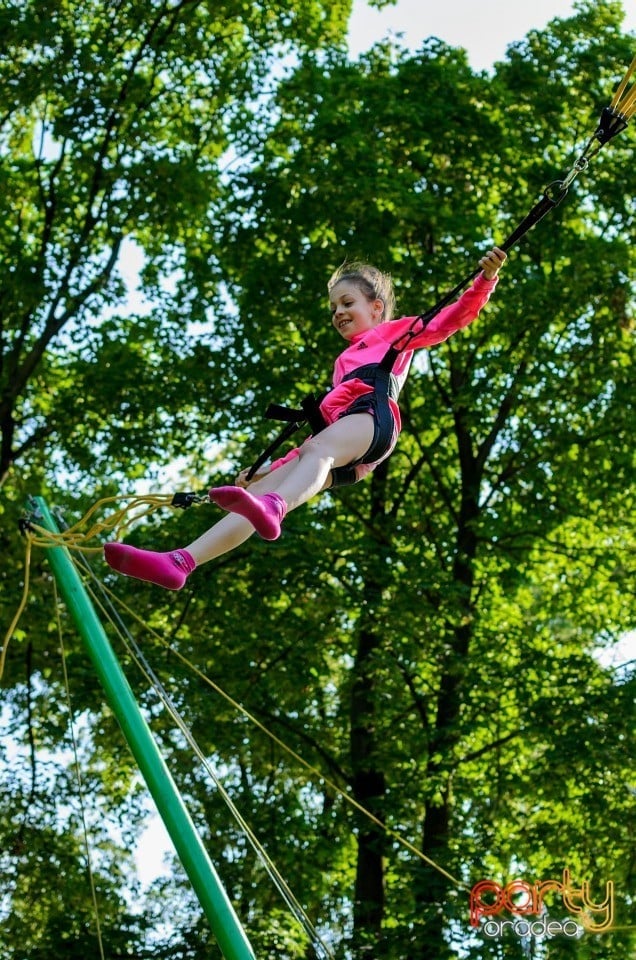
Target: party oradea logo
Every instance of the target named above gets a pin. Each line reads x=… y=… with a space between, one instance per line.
x=490 y=903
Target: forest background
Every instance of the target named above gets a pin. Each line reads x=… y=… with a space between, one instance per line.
x=436 y=641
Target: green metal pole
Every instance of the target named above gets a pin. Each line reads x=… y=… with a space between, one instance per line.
x=212 y=896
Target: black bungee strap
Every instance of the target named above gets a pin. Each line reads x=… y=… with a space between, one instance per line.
x=614 y=119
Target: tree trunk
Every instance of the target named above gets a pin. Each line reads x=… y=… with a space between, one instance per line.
x=368 y=789
x=433 y=886
x=368 y=777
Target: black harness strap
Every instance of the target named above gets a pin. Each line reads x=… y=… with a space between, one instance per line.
x=274 y=445
x=309 y=412
x=377 y=376
x=384 y=385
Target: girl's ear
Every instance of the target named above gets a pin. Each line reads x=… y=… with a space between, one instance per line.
x=378 y=307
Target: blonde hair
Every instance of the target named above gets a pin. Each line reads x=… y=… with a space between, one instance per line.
x=374 y=284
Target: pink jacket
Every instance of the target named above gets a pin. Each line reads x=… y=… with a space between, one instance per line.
x=371 y=346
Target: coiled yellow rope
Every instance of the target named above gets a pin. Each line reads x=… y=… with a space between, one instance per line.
x=77 y=536
x=118 y=522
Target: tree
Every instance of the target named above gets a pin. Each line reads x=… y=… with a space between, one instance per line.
x=508 y=426
x=115 y=120
x=427 y=640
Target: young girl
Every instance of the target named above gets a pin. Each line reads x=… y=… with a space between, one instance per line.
x=362 y=417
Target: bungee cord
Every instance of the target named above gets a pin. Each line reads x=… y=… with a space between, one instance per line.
x=106 y=606
x=314 y=771
x=613 y=120
x=21 y=607
x=623 y=103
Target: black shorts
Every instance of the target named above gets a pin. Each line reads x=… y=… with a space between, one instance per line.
x=384 y=437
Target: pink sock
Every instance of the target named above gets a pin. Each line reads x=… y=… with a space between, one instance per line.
x=168 y=570
x=265 y=512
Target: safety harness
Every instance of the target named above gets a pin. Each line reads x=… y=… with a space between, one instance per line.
x=384 y=385
x=614 y=118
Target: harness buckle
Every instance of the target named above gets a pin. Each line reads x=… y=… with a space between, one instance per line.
x=185 y=500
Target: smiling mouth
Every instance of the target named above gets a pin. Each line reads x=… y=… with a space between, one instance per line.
x=343 y=323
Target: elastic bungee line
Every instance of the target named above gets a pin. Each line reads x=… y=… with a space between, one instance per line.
x=394 y=835
x=613 y=120
x=104 y=601
x=314 y=771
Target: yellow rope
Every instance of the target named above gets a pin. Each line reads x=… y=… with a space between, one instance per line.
x=118 y=522
x=233 y=703
x=292 y=753
x=625 y=105
x=20 y=610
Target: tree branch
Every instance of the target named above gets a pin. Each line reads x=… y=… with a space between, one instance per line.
x=476 y=754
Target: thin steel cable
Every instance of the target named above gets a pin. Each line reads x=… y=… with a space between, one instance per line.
x=296 y=909
x=397 y=837
x=78 y=775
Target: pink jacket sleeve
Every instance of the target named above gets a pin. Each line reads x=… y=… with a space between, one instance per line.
x=451 y=318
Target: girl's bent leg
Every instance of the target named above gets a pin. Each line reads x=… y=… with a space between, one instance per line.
x=337 y=445
x=295 y=482
x=291 y=485
x=233 y=530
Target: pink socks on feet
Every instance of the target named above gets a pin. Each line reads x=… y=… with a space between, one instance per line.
x=169 y=570
x=265 y=512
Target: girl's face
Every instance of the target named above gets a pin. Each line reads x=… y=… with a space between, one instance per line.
x=351 y=312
